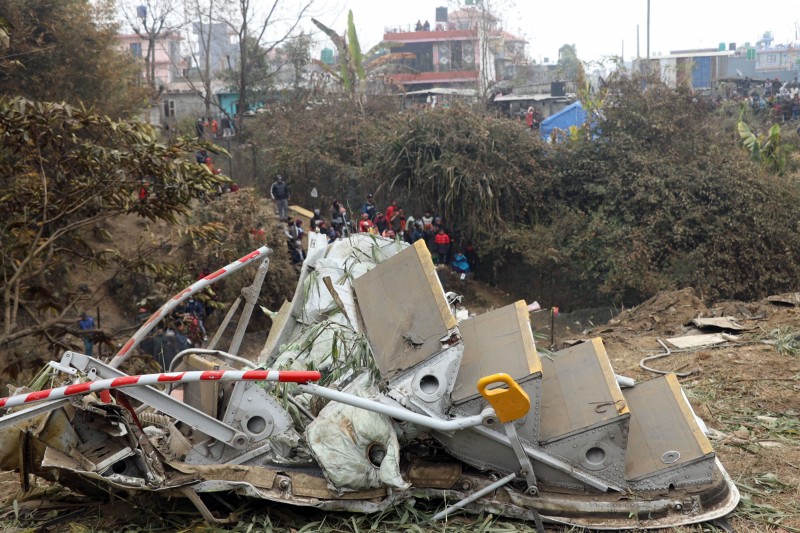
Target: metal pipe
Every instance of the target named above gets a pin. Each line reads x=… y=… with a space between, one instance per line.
x=293 y=376
x=648 y=31
x=30 y=412
x=125 y=352
x=476 y=495
x=398 y=412
x=659 y=356
x=212 y=344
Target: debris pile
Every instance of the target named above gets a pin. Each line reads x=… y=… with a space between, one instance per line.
x=378 y=394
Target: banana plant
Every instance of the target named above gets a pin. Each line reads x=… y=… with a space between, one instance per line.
x=768 y=150
x=354 y=66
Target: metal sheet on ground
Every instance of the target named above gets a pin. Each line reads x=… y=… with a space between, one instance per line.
x=721 y=322
x=708 y=339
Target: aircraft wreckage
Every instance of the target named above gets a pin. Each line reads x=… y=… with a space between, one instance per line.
x=378 y=395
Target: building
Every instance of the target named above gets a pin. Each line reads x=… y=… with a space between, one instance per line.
x=170 y=66
x=781 y=62
x=222 y=53
x=706 y=69
x=463 y=49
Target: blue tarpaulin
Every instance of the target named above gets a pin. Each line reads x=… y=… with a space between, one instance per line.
x=572 y=115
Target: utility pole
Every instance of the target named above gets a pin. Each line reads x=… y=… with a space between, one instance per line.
x=648 y=29
x=637 y=42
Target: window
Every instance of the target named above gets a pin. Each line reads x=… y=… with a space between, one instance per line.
x=136 y=49
x=456 y=55
x=169 y=108
x=772 y=58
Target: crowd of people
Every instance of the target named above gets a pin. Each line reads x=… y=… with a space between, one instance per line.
x=391 y=223
x=779 y=100
x=210 y=127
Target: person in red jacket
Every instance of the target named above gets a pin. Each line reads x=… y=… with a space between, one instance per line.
x=390 y=211
x=441 y=244
x=365 y=225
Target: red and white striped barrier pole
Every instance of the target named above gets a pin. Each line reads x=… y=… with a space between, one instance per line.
x=285 y=376
x=176 y=300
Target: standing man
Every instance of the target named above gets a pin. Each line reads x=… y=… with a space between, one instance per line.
x=369 y=207
x=280 y=193
x=227 y=131
x=86 y=323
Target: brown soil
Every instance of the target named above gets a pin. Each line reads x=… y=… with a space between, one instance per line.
x=730 y=387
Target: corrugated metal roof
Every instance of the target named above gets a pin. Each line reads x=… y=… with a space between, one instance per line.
x=535 y=97
x=445 y=91
x=678 y=55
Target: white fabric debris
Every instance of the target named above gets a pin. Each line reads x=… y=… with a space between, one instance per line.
x=340 y=439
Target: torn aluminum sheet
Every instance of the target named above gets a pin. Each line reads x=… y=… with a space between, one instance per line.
x=791 y=299
x=706 y=339
x=553 y=437
x=722 y=322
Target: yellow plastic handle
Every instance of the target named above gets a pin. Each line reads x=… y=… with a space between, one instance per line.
x=509 y=403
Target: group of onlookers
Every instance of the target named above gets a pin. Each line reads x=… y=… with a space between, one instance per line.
x=394 y=223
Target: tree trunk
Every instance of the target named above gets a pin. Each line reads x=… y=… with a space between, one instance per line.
x=151 y=60
x=207 y=63
x=242 y=78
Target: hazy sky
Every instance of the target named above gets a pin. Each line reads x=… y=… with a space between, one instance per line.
x=597 y=27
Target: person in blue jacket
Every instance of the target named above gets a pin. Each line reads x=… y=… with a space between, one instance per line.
x=460 y=263
x=86 y=323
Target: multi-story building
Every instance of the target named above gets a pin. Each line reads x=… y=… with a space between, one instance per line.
x=705 y=69
x=169 y=65
x=222 y=53
x=463 y=49
x=779 y=62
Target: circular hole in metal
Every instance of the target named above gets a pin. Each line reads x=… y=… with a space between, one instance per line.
x=429 y=384
x=595 y=456
x=256 y=424
x=119 y=467
x=376 y=452
x=670 y=457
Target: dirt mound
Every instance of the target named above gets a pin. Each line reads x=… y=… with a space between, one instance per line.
x=665 y=314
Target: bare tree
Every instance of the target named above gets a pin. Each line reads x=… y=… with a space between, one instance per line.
x=151 y=20
x=204 y=20
x=260 y=28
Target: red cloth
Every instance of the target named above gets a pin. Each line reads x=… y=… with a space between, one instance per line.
x=441 y=238
x=389 y=212
x=365 y=225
